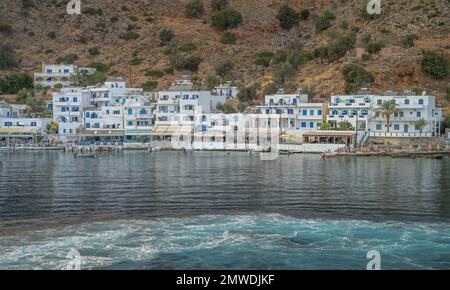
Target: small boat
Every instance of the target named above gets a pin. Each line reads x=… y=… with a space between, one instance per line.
x=154 y=149
x=188 y=150
x=329 y=155
x=84 y=155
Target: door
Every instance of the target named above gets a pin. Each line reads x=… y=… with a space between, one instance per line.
x=405 y=128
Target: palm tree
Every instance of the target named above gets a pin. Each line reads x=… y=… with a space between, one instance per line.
x=420 y=124
x=387 y=109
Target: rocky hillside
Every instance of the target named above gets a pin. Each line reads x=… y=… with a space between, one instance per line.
x=125 y=35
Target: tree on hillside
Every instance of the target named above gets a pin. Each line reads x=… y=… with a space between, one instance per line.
x=288 y=17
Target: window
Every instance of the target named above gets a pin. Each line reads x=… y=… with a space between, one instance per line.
x=290 y=111
x=130 y=111
x=88 y=115
x=334 y=113
x=64 y=131
x=303 y=124
x=311 y=124
x=419 y=114
x=49 y=71
x=402 y=114
x=395 y=115
x=364 y=112
x=88 y=125
x=63 y=109
x=94 y=116
x=267 y=111
x=66 y=71
x=185 y=97
x=379 y=102
x=8 y=124
x=70 y=131
x=271 y=101
x=420 y=101
x=117 y=112
x=143 y=112
x=294 y=101
x=378 y=127
x=304 y=113
x=195 y=97
x=396 y=127
x=311 y=112
x=165 y=97
x=130 y=123
x=107 y=112
x=75 y=99
x=377 y=115
x=406 y=102
x=319 y=112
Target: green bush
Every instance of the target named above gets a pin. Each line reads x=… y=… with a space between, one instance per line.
x=365 y=56
x=92 y=11
x=226 y=107
x=356 y=77
x=100 y=67
x=7 y=57
x=288 y=17
x=224 y=68
x=188 y=47
x=14 y=82
x=226 y=19
x=154 y=73
x=5 y=28
x=336 y=50
x=408 y=41
x=263 y=58
x=194 y=9
x=324 y=21
x=447 y=92
x=133 y=18
x=94 y=51
x=365 y=15
x=92 y=79
x=168 y=70
x=304 y=14
x=135 y=61
x=130 y=35
x=228 y=38
x=150 y=86
x=374 y=47
x=150 y=19
x=191 y=64
x=51 y=35
x=282 y=73
x=166 y=35
x=435 y=65
x=67 y=59
x=219 y=4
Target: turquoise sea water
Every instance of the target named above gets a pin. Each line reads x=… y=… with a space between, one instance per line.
x=213 y=210
x=232 y=242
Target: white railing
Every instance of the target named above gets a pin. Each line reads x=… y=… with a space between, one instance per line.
x=400 y=134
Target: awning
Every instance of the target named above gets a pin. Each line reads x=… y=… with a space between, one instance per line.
x=18 y=131
x=171 y=130
x=329 y=133
x=138 y=132
x=103 y=132
x=212 y=133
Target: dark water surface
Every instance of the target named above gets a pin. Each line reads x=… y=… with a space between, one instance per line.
x=222 y=211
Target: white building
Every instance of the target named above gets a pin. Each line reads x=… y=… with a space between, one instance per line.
x=13 y=111
x=13 y=130
x=295 y=113
x=227 y=90
x=365 y=110
x=181 y=104
x=65 y=74
x=68 y=107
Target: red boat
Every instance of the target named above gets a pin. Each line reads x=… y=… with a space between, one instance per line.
x=328 y=155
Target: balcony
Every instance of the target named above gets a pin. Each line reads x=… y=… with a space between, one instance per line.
x=401 y=134
x=349 y=105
